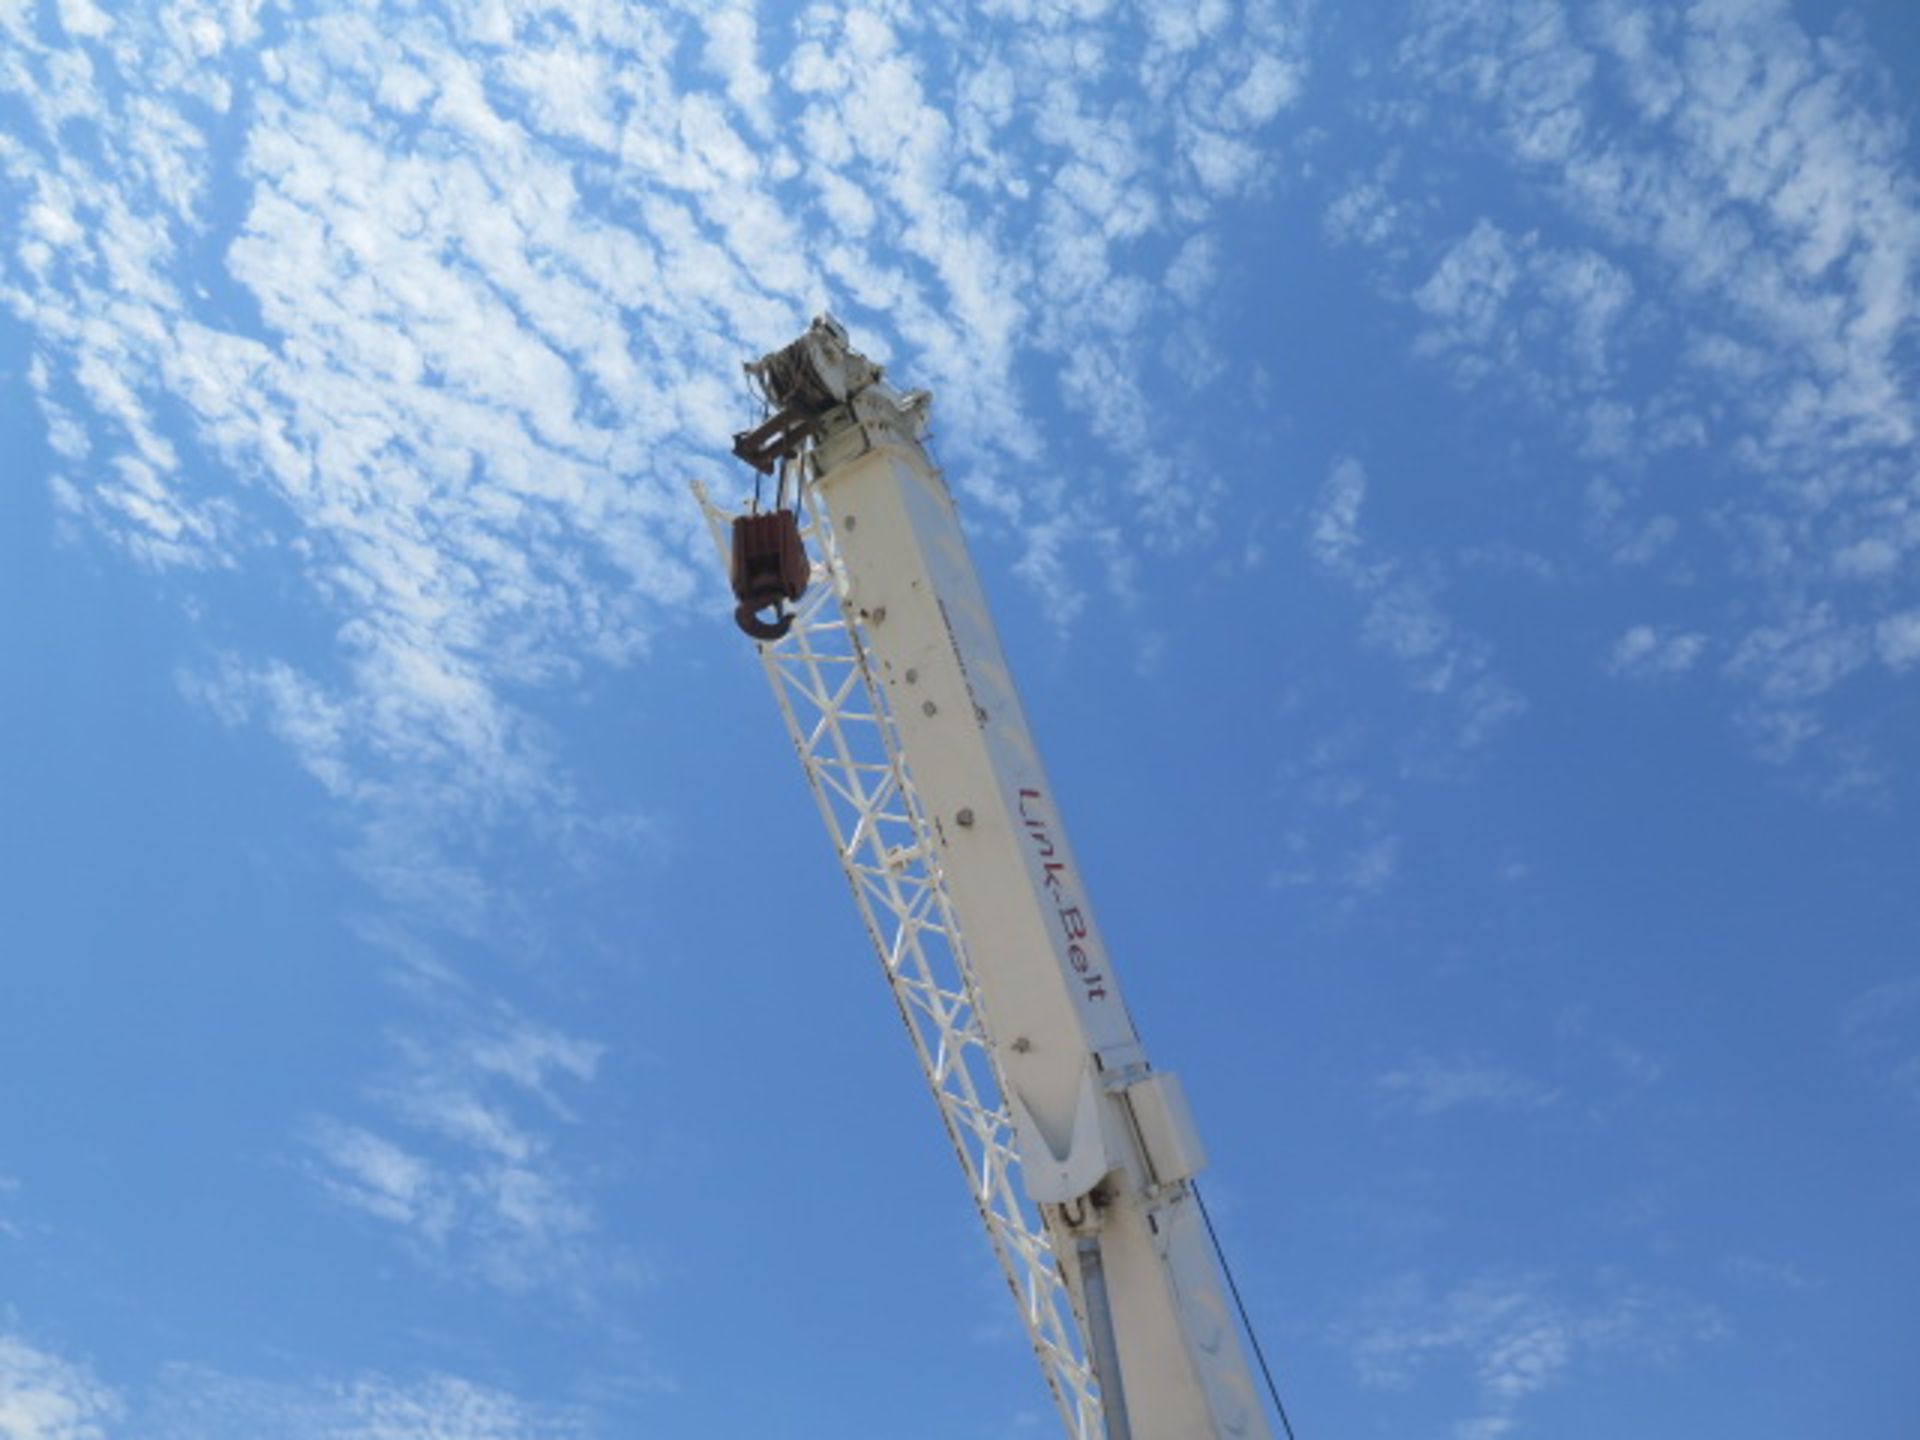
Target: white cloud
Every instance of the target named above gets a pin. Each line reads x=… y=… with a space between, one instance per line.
x=1272 y=82
x=441 y=1408
x=1881 y=1025
x=1721 y=257
x=1781 y=733
x=1898 y=639
x=1343 y=844
x=483 y=297
x=1470 y=286
x=377 y=1176
x=84 y=19
x=1803 y=656
x=1372 y=866
x=1641 y=541
x=465 y=1148
x=1403 y=617
x=1335 y=536
x=1364 y=213
x=1512 y=1337
x=1194 y=269
x=1759 y=1272
x=1340 y=845
x=1873 y=558
x=1429 y=1086
x=1649 y=652
x=1540 y=319
x=194 y=1403
x=1346 y=875
x=44 y=1397
x=1635 y=1065
x=733 y=51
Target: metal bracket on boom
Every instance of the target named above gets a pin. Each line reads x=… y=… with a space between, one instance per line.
x=1070 y=1169
x=777 y=438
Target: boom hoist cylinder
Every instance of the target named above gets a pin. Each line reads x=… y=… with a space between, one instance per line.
x=1102 y=1143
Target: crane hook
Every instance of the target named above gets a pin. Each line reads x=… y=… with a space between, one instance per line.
x=769 y=570
x=746 y=616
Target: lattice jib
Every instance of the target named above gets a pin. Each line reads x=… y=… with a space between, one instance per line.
x=842 y=731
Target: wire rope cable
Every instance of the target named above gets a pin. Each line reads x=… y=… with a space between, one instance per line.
x=1246 y=1321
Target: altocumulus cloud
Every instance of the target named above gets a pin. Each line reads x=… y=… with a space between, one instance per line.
x=463 y=1143
x=190 y=1403
x=1729 y=288
x=437 y=306
x=415 y=318
x=1513 y=1337
x=44 y=1396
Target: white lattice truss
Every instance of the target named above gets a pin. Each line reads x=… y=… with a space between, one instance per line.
x=841 y=727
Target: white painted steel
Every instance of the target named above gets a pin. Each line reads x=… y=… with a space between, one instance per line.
x=947 y=828
x=844 y=734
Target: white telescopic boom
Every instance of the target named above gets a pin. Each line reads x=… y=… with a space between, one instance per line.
x=1105 y=1144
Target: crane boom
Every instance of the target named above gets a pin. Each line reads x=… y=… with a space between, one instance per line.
x=902 y=707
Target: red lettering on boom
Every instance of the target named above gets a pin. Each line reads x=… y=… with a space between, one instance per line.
x=1053 y=879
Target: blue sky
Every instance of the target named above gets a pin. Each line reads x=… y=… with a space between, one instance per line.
x=1447 y=475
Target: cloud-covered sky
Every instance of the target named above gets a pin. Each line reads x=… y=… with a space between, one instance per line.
x=1447 y=474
